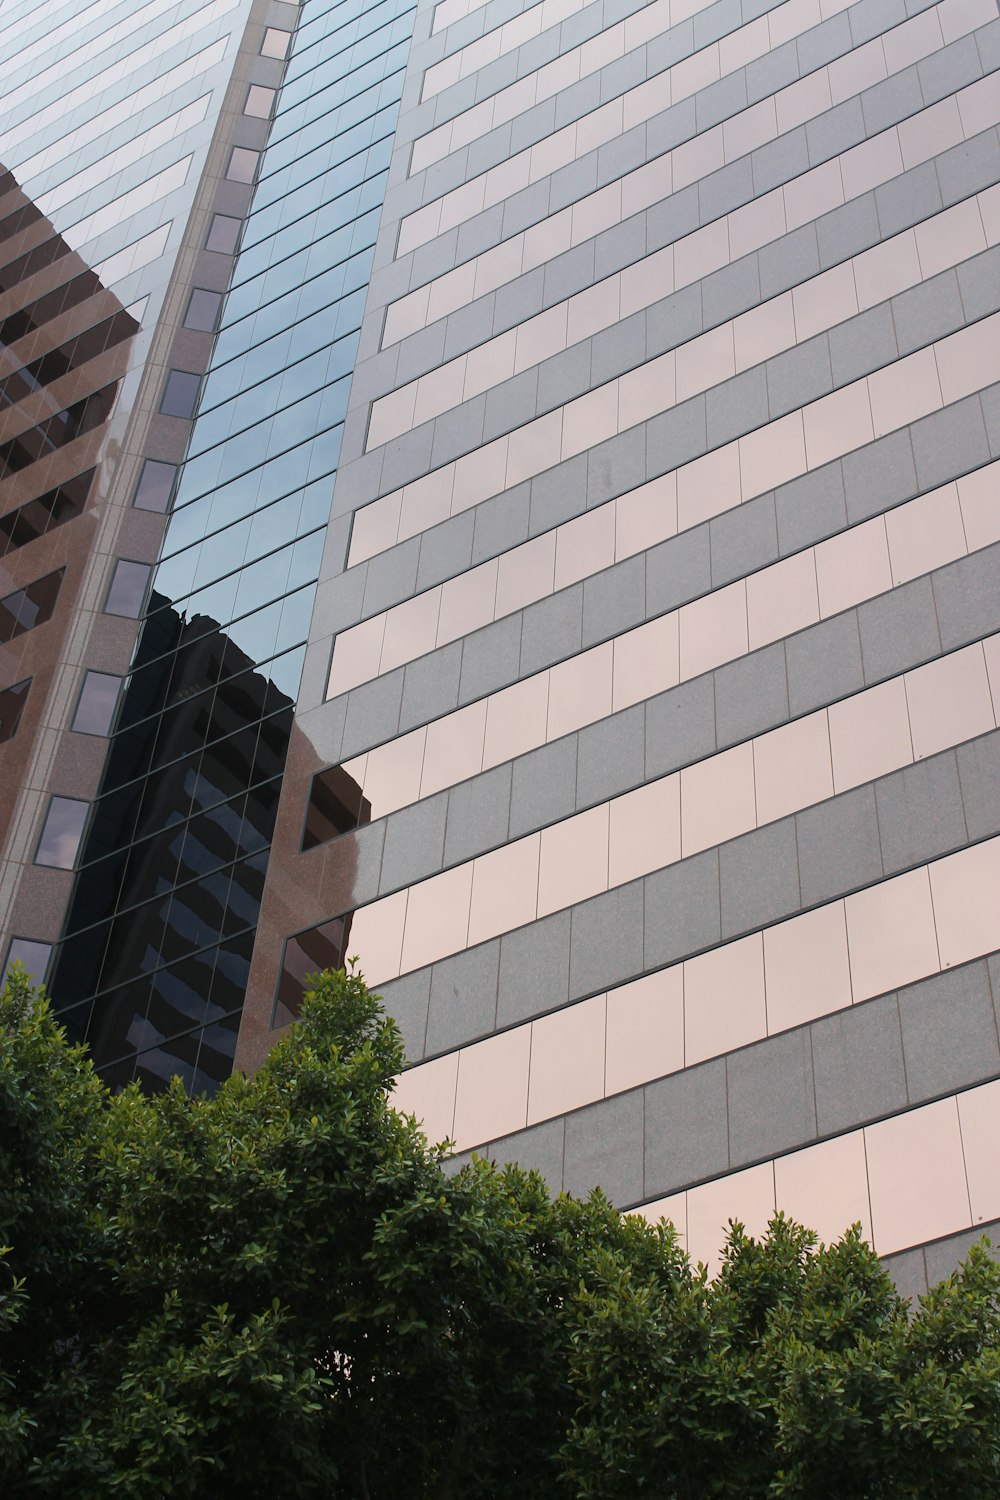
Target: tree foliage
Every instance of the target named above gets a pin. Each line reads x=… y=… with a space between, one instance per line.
x=282 y=1291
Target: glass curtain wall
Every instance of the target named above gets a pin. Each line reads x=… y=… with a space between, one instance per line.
x=153 y=965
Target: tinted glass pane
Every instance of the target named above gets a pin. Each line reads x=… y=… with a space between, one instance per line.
x=203 y=310
x=12 y=701
x=96 y=707
x=61 y=834
x=34 y=956
x=242 y=164
x=180 y=393
x=275 y=42
x=224 y=233
x=155 y=484
x=128 y=589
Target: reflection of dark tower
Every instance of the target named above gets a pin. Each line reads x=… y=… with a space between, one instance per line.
x=64 y=347
x=153 y=970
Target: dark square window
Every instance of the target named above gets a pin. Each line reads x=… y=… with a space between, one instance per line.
x=155 y=485
x=61 y=833
x=180 y=394
x=12 y=701
x=33 y=955
x=98 y=700
x=128 y=589
x=203 y=310
x=223 y=234
x=336 y=805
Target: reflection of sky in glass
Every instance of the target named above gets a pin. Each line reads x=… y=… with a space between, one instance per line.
x=61 y=834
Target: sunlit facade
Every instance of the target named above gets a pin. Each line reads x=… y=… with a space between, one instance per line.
x=656 y=621
x=579 y=597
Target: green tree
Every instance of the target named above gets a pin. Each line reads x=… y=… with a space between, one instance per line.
x=282 y=1291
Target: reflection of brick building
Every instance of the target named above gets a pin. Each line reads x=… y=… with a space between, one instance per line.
x=64 y=347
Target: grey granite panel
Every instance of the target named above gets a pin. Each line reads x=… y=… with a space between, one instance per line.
x=552 y=629
x=680 y=726
x=780 y=160
x=979 y=774
x=406 y=1000
x=810 y=508
x=799 y=376
x=836 y=130
x=678 y=570
x=540 y=1148
x=372 y=713
x=898 y=629
x=891 y=100
x=949 y=1032
x=858 y=1065
x=770 y=1096
x=614 y=601
x=611 y=756
x=751 y=695
x=930 y=311
x=534 y=969
x=392 y=576
x=879 y=475
x=736 y=407
x=446 y=550
x=616 y=466
x=604 y=1148
x=824 y=663
x=947 y=70
x=905 y=200
x=414 y=843
x=501 y=523
x=556 y=495
x=862 y=344
x=967 y=596
x=920 y=812
x=431 y=686
x=786 y=262
x=838 y=845
x=463 y=999
x=682 y=909
x=944 y=1256
x=606 y=940
x=743 y=540
x=686 y=1128
x=979 y=282
x=490 y=658
x=908 y=1272
x=478 y=815
x=847 y=230
x=544 y=786
x=759 y=878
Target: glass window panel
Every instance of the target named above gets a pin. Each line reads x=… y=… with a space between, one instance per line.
x=180 y=394
x=61 y=833
x=259 y=102
x=155 y=485
x=223 y=234
x=128 y=589
x=275 y=42
x=242 y=164
x=203 y=310
x=33 y=955
x=12 y=701
x=98 y=700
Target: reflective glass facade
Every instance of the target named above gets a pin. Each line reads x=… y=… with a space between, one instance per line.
x=154 y=963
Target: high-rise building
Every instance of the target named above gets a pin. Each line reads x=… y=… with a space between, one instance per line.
x=579 y=597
